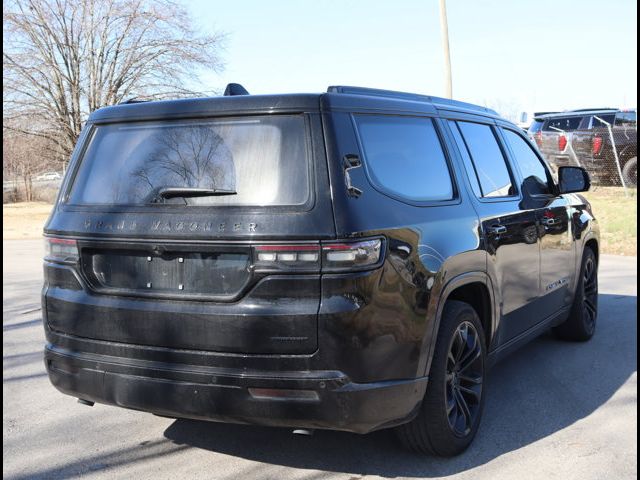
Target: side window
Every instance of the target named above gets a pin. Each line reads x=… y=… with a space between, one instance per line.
x=404 y=157
x=534 y=174
x=466 y=158
x=487 y=159
x=626 y=119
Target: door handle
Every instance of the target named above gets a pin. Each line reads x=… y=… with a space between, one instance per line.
x=547 y=222
x=497 y=229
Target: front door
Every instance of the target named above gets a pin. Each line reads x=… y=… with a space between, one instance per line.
x=557 y=253
x=510 y=232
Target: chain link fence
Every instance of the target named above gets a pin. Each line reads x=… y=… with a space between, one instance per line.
x=603 y=142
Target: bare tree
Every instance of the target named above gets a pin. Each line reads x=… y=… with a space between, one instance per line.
x=22 y=158
x=63 y=59
x=508 y=108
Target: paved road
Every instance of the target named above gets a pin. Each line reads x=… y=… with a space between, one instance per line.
x=555 y=410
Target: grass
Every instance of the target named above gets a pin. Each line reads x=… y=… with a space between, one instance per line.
x=615 y=212
x=617 y=216
x=24 y=220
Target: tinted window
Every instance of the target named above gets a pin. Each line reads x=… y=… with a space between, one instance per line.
x=466 y=158
x=489 y=162
x=535 y=181
x=536 y=126
x=626 y=118
x=404 y=157
x=564 y=123
x=262 y=159
x=597 y=123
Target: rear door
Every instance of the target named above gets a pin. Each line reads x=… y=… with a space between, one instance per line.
x=169 y=217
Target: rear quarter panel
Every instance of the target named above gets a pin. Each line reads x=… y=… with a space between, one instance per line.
x=389 y=330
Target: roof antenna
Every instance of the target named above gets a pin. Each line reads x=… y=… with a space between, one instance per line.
x=235 y=89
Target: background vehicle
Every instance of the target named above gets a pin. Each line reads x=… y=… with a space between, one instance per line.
x=552 y=133
x=592 y=143
x=311 y=261
x=49 y=176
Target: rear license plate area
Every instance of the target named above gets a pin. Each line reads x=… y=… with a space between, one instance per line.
x=213 y=274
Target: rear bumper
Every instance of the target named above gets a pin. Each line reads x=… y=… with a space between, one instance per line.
x=222 y=394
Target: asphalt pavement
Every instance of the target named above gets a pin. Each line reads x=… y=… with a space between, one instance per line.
x=554 y=410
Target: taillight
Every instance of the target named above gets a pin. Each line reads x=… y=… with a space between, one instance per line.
x=538 y=138
x=562 y=143
x=286 y=257
x=332 y=257
x=351 y=256
x=61 y=249
x=596 y=145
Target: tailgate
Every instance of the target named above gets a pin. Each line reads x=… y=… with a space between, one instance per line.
x=178 y=271
x=192 y=296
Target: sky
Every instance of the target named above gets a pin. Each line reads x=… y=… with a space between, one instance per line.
x=512 y=55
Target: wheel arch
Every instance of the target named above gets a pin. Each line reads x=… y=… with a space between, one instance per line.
x=592 y=243
x=476 y=289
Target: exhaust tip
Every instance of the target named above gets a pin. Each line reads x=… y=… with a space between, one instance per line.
x=303 y=431
x=88 y=403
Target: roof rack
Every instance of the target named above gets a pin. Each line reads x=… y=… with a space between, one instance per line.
x=438 y=101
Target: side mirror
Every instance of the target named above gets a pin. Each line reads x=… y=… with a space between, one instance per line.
x=573 y=179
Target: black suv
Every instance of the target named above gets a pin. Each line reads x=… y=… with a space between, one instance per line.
x=353 y=260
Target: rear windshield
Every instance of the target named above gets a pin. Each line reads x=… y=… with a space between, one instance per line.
x=249 y=161
x=563 y=123
x=596 y=120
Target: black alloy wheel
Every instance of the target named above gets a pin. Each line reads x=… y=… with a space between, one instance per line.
x=464 y=378
x=581 y=322
x=590 y=294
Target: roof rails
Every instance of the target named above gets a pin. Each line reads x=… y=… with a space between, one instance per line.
x=438 y=101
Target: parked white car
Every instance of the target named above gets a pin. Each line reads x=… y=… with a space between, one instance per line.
x=49 y=176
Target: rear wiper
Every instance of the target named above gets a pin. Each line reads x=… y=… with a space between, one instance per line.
x=163 y=193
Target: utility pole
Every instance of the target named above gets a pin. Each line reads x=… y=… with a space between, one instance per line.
x=445 y=47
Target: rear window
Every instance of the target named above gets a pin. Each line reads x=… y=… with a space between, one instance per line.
x=564 y=123
x=249 y=161
x=597 y=122
x=404 y=157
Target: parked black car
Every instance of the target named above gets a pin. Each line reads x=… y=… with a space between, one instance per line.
x=595 y=151
x=353 y=260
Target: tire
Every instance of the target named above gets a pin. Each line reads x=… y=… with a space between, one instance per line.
x=442 y=426
x=581 y=324
x=630 y=172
